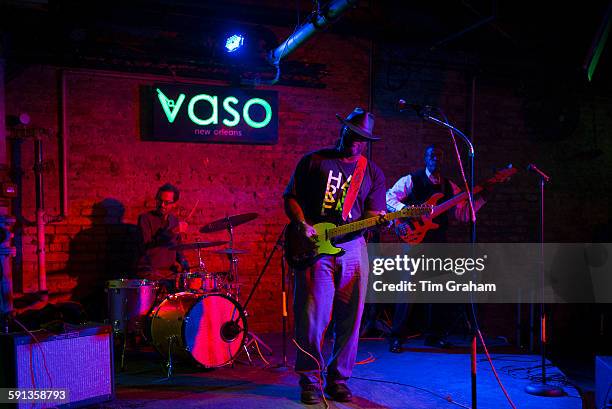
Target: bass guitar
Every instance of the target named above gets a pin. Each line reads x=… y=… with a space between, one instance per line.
x=302 y=251
x=414 y=230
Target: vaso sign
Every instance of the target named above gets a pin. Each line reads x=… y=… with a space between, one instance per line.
x=195 y=113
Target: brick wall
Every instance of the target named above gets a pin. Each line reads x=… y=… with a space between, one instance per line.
x=113 y=174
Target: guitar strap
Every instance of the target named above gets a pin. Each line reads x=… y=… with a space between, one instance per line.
x=356 y=180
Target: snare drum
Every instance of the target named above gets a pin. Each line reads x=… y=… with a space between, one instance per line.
x=197 y=281
x=207 y=328
x=129 y=303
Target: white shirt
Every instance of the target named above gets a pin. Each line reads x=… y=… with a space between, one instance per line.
x=403 y=187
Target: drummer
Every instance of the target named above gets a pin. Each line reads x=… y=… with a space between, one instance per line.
x=161 y=230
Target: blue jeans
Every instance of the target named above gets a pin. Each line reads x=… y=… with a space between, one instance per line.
x=332 y=288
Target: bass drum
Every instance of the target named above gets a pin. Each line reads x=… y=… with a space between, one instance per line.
x=209 y=328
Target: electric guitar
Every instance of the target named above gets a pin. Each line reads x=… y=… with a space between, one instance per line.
x=301 y=251
x=414 y=232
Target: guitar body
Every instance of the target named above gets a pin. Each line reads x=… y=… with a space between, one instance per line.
x=302 y=252
x=420 y=226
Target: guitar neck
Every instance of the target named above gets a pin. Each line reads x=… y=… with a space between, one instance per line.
x=454 y=201
x=499 y=177
x=361 y=224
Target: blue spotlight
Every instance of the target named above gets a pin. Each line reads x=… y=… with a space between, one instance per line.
x=233 y=43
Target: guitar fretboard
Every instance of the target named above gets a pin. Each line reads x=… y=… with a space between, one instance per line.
x=450 y=203
x=500 y=176
x=352 y=227
x=373 y=221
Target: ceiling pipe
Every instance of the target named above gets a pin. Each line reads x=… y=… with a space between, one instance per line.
x=318 y=21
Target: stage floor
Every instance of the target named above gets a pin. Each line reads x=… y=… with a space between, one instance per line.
x=417 y=378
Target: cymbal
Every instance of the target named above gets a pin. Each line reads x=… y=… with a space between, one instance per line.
x=222 y=224
x=230 y=251
x=197 y=245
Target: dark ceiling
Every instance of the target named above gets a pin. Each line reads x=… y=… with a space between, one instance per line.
x=159 y=35
x=548 y=33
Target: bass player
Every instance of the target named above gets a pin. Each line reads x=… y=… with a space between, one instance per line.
x=417 y=188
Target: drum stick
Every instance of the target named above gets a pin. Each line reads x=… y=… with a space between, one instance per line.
x=192 y=210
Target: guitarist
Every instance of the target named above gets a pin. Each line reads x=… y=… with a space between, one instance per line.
x=416 y=188
x=333 y=286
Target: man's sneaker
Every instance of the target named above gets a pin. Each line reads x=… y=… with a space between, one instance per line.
x=339 y=392
x=311 y=394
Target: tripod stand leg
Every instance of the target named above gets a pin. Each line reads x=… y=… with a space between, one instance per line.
x=260 y=342
x=123 y=348
x=248 y=354
x=169 y=363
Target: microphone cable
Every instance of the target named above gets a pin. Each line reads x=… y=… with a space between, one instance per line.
x=319 y=368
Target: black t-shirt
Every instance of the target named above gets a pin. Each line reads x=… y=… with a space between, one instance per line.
x=320 y=183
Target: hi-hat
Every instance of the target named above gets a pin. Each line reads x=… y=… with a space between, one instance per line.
x=230 y=251
x=223 y=224
x=197 y=245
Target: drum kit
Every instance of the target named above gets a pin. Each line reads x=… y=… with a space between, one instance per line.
x=200 y=320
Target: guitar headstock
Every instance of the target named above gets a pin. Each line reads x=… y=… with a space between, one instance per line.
x=416 y=210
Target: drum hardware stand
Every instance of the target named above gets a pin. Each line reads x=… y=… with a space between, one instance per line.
x=169 y=363
x=123 y=348
x=252 y=340
x=117 y=333
x=124 y=339
x=233 y=268
x=248 y=354
x=233 y=276
x=201 y=264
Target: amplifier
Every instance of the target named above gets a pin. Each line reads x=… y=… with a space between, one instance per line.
x=79 y=361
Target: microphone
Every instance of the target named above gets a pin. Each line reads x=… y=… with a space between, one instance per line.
x=230 y=331
x=421 y=110
x=533 y=168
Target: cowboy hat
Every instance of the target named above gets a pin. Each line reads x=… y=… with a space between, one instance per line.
x=360 y=122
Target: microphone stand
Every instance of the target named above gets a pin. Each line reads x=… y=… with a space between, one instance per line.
x=278 y=244
x=284 y=318
x=473 y=326
x=542 y=388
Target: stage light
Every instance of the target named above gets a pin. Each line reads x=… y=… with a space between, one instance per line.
x=234 y=43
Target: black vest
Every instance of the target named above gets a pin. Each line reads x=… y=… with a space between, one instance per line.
x=423 y=189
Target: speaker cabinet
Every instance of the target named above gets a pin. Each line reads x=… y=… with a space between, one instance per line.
x=79 y=361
